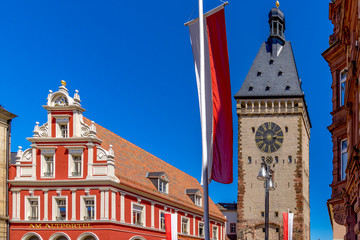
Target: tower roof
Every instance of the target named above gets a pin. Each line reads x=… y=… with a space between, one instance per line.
x=276 y=13
x=272 y=74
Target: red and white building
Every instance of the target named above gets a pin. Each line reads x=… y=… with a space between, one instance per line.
x=81 y=181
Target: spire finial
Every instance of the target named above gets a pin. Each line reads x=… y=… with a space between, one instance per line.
x=277 y=4
x=63 y=83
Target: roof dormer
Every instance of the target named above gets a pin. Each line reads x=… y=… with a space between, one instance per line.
x=160 y=181
x=195 y=196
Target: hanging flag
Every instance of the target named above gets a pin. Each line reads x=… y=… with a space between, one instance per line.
x=219 y=129
x=288 y=219
x=171 y=226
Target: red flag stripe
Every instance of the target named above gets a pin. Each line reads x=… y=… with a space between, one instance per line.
x=222 y=162
x=286 y=226
x=168 y=226
x=171 y=226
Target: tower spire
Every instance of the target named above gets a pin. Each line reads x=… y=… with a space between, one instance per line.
x=277 y=25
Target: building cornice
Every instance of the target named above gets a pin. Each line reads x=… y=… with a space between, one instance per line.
x=63 y=141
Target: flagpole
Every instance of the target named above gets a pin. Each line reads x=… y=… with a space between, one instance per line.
x=203 y=122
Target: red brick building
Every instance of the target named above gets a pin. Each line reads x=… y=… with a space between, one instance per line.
x=343 y=59
x=80 y=181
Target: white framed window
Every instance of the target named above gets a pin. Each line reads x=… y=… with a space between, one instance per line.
x=76 y=161
x=32 y=209
x=88 y=211
x=162 y=220
x=163 y=186
x=185 y=225
x=60 y=208
x=198 y=200
x=343 y=75
x=47 y=162
x=49 y=166
x=138 y=214
x=64 y=130
x=215 y=233
x=62 y=126
x=201 y=229
x=344 y=158
x=77 y=165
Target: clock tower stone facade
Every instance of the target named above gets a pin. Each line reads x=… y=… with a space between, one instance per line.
x=273 y=125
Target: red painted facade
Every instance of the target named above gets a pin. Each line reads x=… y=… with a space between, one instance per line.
x=343 y=59
x=77 y=181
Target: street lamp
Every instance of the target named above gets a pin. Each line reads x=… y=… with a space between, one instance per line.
x=265 y=174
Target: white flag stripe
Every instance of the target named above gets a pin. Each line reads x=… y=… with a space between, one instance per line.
x=195 y=42
x=290 y=220
x=174 y=226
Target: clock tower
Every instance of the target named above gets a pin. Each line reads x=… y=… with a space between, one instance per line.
x=273 y=126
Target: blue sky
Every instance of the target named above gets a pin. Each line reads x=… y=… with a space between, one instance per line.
x=132 y=64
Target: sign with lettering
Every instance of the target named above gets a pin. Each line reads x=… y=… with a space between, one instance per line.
x=60 y=225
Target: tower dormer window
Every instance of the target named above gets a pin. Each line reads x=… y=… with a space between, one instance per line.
x=274 y=29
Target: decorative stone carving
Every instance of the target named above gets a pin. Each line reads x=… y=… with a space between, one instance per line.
x=85 y=130
x=40 y=131
x=111 y=151
x=28 y=156
x=93 y=128
x=77 y=96
x=339 y=218
x=100 y=155
x=50 y=94
x=61 y=101
x=43 y=130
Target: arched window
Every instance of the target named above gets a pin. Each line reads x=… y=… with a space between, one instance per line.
x=137 y=238
x=89 y=238
x=61 y=238
x=33 y=238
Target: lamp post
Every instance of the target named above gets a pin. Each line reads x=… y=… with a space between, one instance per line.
x=265 y=174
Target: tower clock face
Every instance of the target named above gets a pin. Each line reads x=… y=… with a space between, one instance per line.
x=269 y=137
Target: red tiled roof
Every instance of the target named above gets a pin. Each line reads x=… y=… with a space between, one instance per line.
x=132 y=163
